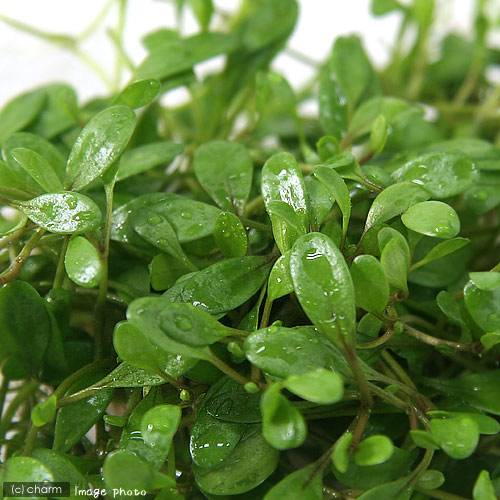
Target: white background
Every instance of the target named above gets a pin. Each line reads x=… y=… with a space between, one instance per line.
x=26 y=62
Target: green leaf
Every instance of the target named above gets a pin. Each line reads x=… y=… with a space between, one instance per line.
x=159 y=425
x=44 y=412
x=26 y=328
x=432 y=218
x=280 y=280
x=126 y=375
x=131 y=436
x=74 y=420
x=483 y=306
x=143 y=158
x=224 y=169
x=319 y=200
x=271 y=21
x=352 y=69
x=424 y=439
x=203 y=10
x=319 y=386
x=393 y=201
x=324 y=286
x=442 y=174
x=479 y=390
x=378 y=134
x=139 y=94
x=164 y=271
x=442 y=249
x=283 y=426
x=483 y=487
x=394 y=258
x=19 y=112
x=155 y=228
x=190 y=325
x=230 y=235
x=145 y=314
x=457 y=437
x=99 y=145
x=39 y=145
x=124 y=470
x=134 y=347
x=338 y=189
x=173 y=56
x=223 y=286
x=61 y=468
x=282 y=352
x=374 y=450
x=490 y=340
x=215 y=425
x=389 y=107
x=396 y=490
x=431 y=479
x=38 y=168
x=282 y=181
x=486 y=281
x=191 y=220
x=303 y=484
x=59 y=113
x=340 y=453
x=370 y=283
x=251 y=463
x=485 y=424
x=17 y=469
x=83 y=263
x=63 y=213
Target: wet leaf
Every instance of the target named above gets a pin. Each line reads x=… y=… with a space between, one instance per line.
x=303 y=484
x=324 y=286
x=319 y=386
x=370 y=283
x=224 y=169
x=63 y=213
x=83 y=263
x=283 y=426
x=139 y=94
x=230 y=235
x=393 y=201
x=432 y=218
x=282 y=181
x=99 y=145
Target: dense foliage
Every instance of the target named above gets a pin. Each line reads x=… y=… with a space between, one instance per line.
x=238 y=296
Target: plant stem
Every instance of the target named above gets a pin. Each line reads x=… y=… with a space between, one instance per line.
x=15 y=268
x=260 y=226
x=61 y=271
x=225 y=368
x=12 y=237
x=100 y=307
x=364 y=390
x=398 y=370
x=436 y=342
x=4 y=387
x=440 y=495
x=266 y=313
x=25 y=392
x=63 y=387
x=30 y=440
